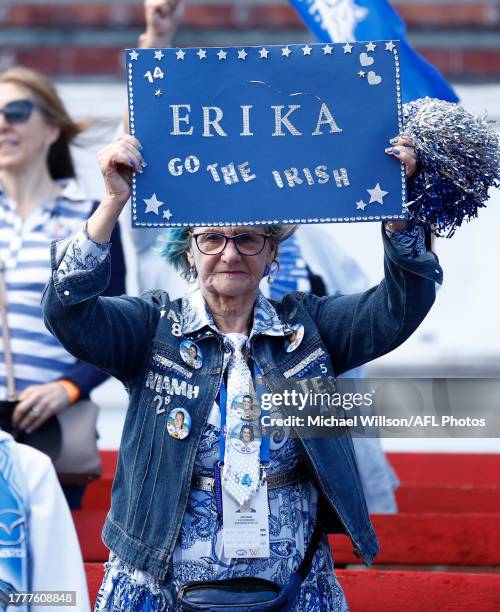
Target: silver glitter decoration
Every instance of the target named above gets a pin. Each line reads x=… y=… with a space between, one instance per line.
x=459 y=159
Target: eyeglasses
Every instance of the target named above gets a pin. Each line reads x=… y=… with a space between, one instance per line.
x=19 y=111
x=213 y=243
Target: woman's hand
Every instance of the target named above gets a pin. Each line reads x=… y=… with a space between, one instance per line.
x=162 y=19
x=402 y=148
x=116 y=162
x=37 y=404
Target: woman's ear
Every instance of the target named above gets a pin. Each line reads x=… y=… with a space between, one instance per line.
x=190 y=257
x=271 y=255
x=53 y=133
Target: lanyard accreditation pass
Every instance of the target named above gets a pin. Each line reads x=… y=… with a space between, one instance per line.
x=245 y=528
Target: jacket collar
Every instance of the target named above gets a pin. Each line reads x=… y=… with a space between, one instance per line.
x=195 y=316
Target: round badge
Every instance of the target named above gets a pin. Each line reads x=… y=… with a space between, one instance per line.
x=245 y=407
x=179 y=423
x=245 y=439
x=295 y=338
x=191 y=354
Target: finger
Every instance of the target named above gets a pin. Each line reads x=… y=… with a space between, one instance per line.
x=120 y=159
x=402 y=152
x=409 y=161
x=401 y=140
x=133 y=151
x=30 y=417
x=130 y=139
x=29 y=391
x=37 y=422
x=23 y=408
x=134 y=155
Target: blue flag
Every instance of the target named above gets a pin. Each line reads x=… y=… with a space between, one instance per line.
x=350 y=20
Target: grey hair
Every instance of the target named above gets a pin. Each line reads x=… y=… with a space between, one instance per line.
x=174 y=244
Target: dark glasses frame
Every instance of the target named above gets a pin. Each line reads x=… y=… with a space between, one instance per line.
x=227 y=239
x=19 y=111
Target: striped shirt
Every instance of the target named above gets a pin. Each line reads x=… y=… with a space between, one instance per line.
x=25 y=251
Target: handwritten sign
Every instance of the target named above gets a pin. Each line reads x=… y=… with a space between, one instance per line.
x=276 y=134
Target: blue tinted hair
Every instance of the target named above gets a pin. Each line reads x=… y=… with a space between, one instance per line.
x=174 y=243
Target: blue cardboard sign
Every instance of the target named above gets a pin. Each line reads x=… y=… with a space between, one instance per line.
x=276 y=134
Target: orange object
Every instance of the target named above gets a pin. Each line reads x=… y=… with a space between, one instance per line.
x=71 y=389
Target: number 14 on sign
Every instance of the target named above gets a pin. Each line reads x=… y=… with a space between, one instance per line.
x=157 y=74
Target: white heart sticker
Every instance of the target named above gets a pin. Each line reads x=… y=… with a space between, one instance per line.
x=365 y=59
x=373 y=78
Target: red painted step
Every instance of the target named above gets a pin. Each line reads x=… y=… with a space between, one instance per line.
x=405 y=539
x=410 y=498
x=430 y=482
x=393 y=591
x=460 y=498
x=447 y=468
x=430 y=539
x=88 y=525
x=95 y=573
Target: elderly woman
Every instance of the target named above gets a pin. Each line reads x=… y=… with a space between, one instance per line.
x=171 y=521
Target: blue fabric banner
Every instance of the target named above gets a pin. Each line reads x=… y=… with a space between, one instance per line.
x=350 y=20
x=278 y=134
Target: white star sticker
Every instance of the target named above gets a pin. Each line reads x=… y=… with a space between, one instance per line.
x=158 y=54
x=158 y=93
x=347 y=48
x=361 y=205
x=222 y=54
x=286 y=51
x=327 y=50
x=306 y=50
x=370 y=46
x=133 y=55
x=362 y=73
x=242 y=54
x=180 y=54
x=377 y=194
x=390 y=46
x=153 y=204
x=167 y=214
x=202 y=54
x=263 y=53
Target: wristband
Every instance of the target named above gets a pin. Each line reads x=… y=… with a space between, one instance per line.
x=71 y=389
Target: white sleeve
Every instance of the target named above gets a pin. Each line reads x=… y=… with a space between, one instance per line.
x=56 y=559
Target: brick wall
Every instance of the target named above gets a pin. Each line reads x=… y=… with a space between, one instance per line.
x=75 y=38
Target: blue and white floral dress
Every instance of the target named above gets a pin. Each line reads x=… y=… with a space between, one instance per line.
x=199 y=551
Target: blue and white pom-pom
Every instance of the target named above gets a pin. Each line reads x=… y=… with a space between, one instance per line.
x=459 y=160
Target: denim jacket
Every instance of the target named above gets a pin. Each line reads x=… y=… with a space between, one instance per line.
x=131 y=337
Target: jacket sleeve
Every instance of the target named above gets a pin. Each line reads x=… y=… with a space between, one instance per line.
x=111 y=333
x=361 y=327
x=86 y=376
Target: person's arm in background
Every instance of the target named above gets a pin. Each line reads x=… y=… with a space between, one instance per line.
x=162 y=18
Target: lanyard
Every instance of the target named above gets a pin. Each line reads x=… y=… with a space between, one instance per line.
x=264 y=445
